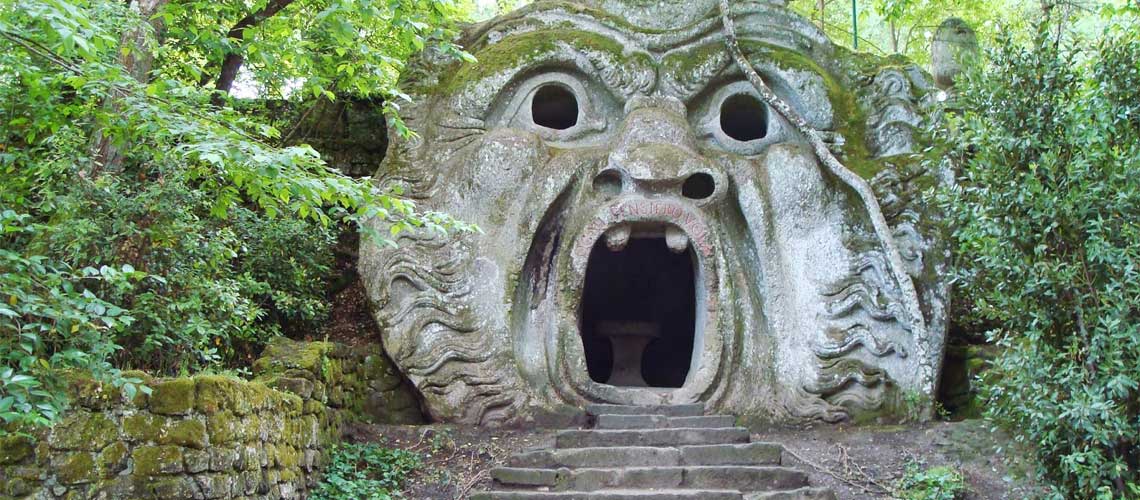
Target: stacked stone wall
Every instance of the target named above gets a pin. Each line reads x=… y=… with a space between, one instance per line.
x=209 y=436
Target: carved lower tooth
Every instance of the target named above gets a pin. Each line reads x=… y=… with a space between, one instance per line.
x=617 y=237
x=677 y=240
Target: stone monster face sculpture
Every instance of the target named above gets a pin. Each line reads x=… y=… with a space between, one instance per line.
x=652 y=233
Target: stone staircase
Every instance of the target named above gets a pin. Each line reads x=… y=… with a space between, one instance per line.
x=653 y=453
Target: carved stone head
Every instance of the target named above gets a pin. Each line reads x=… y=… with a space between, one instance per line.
x=652 y=232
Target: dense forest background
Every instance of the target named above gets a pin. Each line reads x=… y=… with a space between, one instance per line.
x=151 y=220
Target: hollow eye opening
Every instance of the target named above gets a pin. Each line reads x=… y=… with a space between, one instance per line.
x=554 y=106
x=698 y=186
x=744 y=118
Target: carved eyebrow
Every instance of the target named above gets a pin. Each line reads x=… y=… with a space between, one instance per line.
x=688 y=71
x=623 y=72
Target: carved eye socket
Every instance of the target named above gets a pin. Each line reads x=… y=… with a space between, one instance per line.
x=554 y=106
x=744 y=118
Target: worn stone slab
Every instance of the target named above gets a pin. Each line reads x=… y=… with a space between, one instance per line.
x=611 y=495
x=662 y=422
x=633 y=456
x=798 y=494
x=685 y=410
x=744 y=478
x=518 y=476
x=653 y=437
x=732 y=454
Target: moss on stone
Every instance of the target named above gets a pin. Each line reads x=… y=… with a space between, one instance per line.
x=113 y=458
x=17 y=488
x=516 y=51
x=174 y=487
x=172 y=396
x=224 y=427
x=15 y=449
x=187 y=433
x=296 y=359
x=143 y=427
x=76 y=468
x=157 y=460
x=83 y=430
x=216 y=393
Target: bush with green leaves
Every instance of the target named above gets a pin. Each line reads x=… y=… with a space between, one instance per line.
x=147 y=223
x=365 y=471
x=1047 y=217
x=935 y=483
x=52 y=322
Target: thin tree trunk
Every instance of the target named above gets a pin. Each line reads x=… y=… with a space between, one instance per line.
x=822 y=7
x=137 y=58
x=894 y=29
x=233 y=61
x=882 y=228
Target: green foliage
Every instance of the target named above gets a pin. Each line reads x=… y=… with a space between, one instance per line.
x=147 y=223
x=1047 y=220
x=935 y=483
x=309 y=48
x=51 y=322
x=365 y=471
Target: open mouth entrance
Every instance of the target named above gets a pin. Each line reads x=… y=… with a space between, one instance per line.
x=638 y=314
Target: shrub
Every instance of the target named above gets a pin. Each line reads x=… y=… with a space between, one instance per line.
x=365 y=471
x=1047 y=220
x=936 y=483
x=146 y=222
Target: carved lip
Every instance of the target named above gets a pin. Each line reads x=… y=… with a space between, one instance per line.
x=631 y=216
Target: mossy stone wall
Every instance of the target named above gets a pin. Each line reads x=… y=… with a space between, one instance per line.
x=209 y=436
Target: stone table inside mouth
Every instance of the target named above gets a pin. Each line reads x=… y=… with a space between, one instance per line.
x=629 y=340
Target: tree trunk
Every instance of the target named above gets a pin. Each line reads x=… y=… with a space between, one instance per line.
x=233 y=61
x=822 y=8
x=894 y=29
x=137 y=59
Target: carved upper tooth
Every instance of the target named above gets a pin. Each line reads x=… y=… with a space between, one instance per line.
x=677 y=240
x=617 y=237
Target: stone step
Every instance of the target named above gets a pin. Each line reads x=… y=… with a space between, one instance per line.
x=733 y=454
x=611 y=495
x=632 y=456
x=800 y=494
x=648 y=456
x=649 y=437
x=685 y=410
x=766 y=478
x=662 y=422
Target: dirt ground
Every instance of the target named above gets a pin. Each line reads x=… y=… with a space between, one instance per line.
x=863 y=461
x=857 y=462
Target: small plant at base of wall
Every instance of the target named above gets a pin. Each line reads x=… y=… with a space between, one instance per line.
x=935 y=483
x=365 y=471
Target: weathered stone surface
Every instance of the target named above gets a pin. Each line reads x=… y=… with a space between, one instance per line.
x=172 y=396
x=592 y=133
x=76 y=468
x=157 y=460
x=955 y=44
x=113 y=458
x=84 y=431
x=15 y=449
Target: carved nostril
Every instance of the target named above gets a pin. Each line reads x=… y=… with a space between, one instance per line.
x=698 y=186
x=608 y=183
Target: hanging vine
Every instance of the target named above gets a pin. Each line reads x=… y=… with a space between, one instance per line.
x=882 y=229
